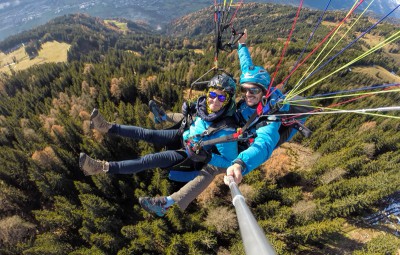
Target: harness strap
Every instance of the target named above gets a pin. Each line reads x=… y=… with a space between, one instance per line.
x=306 y=132
x=182 y=127
x=242 y=135
x=197 y=147
x=227 y=139
x=215 y=127
x=260 y=108
x=186 y=121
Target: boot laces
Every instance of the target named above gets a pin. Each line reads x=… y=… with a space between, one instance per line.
x=103 y=124
x=98 y=164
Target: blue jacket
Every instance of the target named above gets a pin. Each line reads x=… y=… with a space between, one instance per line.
x=244 y=57
x=267 y=136
x=265 y=142
x=228 y=151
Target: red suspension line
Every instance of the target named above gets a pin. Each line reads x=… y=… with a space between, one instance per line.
x=320 y=44
x=284 y=48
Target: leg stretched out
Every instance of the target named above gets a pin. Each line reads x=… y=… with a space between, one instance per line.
x=162 y=159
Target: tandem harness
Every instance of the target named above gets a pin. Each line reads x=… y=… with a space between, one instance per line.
x=188 y=169
x=290 y=126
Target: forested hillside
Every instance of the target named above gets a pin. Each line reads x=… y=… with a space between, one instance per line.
x=48 y=206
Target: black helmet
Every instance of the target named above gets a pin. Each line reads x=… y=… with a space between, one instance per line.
x=223 y=82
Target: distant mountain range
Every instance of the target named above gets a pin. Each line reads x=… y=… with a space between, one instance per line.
x=17 y=15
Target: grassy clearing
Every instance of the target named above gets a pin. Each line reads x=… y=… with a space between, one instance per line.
x=123 y=26
x=372 y=40
x=329 y=24
x=51 y=52
x=136 y=53
x=378 y=72
x=199 y=51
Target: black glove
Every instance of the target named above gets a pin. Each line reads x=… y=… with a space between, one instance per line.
x=188 y=108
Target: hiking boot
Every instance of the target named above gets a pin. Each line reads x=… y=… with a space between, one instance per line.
x=91 y=166
x=98 y=122
x=154 y=205
x=158 y=112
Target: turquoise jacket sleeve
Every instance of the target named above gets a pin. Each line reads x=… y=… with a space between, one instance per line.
x=267 y=136
x=244 y=57
x=262 y=147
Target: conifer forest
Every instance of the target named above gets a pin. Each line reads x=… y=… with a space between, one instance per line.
x=48 y=206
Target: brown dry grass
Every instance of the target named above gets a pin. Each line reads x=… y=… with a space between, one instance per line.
x=370 y=39
x=212 y=190
x=199 y=51
x=289 y=157
x=329 y=24
x=363 y=235
x=373 y=40
x=366 y=126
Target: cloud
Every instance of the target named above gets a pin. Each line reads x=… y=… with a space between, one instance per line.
x=9 y=3
x=392 y=3
x=4 y=5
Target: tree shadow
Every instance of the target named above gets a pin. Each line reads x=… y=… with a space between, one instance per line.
x=334 y=244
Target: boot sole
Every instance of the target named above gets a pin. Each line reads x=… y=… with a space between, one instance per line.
x=82 y=159
x=93 y=115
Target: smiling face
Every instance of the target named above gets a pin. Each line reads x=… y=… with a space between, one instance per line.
x=253 y=93
x=216 y=99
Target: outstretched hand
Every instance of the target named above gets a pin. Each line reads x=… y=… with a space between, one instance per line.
x=235 y=171
x=243 y=39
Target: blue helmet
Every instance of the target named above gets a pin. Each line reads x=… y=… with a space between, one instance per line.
x=223 y=82
x=257 y=75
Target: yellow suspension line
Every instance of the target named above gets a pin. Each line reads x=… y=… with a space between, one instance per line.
x=360 y=112
x=346 y=95
x=326 y=45
x=348 y=30
x=344 y=111
x=392 y=38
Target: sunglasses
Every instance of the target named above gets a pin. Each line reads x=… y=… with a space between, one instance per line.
x=252 y=91
x=213 y=95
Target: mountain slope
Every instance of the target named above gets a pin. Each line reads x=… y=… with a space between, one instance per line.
x=17 y=16
x=313 y=201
